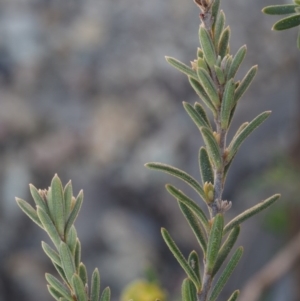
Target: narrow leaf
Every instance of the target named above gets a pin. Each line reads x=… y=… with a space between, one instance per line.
x=288 y=22
x=71 y=239
x=219 y=26
x=206 y=170
x=212 y=147
x=77 y=255
x=83 y=273
x=95 y=286
x=74 y=213
x=29 y=211
x=194 y=224
x=209 y=87
x=236 y=62
x=56 y=206
x=280 y=9
x=198 y=120
x=207 y=46
x=250 y=212
x=200 y=110
x=245 y=83
x=227 y=104
x=37 y=198
x=178 y=174
x=180 y=196
x=54 y=293
x=53 y=255
x=49 y=226
x=58 y=286
x=220 y=75
x=234 y=296
x=215 y=11
x=224 y=42
x=193 y=261
x=214 y=242
x=68 y=194
x=202 y=94
x=182 y=67
x=226 y=248
x=105 y=296
x=188 y=290
x=226 y=274
x=180 y=258
x=61 y=273
x=67 y=261
x=236 y=143
x=79 y=288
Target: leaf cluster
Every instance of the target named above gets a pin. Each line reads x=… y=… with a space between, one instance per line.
x=56 y=211
x=292 y=20
x=213 y=77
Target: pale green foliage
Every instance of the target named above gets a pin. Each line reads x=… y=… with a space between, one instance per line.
x=212 y=76
x=293 y=20
x=57 y=210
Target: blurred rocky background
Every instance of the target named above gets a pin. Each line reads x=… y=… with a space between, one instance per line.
x=85 y=92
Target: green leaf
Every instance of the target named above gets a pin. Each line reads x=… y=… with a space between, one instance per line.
x=288 y=22
x=67 y=261
x=71 y=239
x=193 y=261
x=245 y=83
x=250 y=212
x=95 y=286
x=59 y=287
x=68 y=194
x=226 y=248
x=194 y=224
x=212 y=148
x=220 y=75
x=29 y=211
x=180 y=196
x=280 y=9
x=214 y=242
x=239 y=139
x=199 y=53
x=83 y=273
x=198 y=120
x=202 y=94
x=54 y=293
x=79 y=288
x=207 y=46
x=206 y=170
x=74 y=213
x=178 y=174
x=105 y=294
x=224 y=42
x=219 y=26
x=61 y=273
x=56 y=206
x=180 y=258
x=215 y=11
x=234 y=296
x=49 y=226
x=188 y=290
x=53 y=255
x=200 y=110
x=226 y=274
x=227 y=103
x=182 y=67
x=37 y=198
x=236 y=62
x=77 y=255
x=209 y=87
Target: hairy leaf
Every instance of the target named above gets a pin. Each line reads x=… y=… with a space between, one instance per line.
x=224 y=42
x=188 y=290
x=67 y=261
x=288 y=22
x=207 y=47
x=95 y=286
x=206 y=170
x=105 y=296
x=234 y=296
x=284 y=9
x=182 y=67
x=236 y=62
x=79 y=288
x=53 y=255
